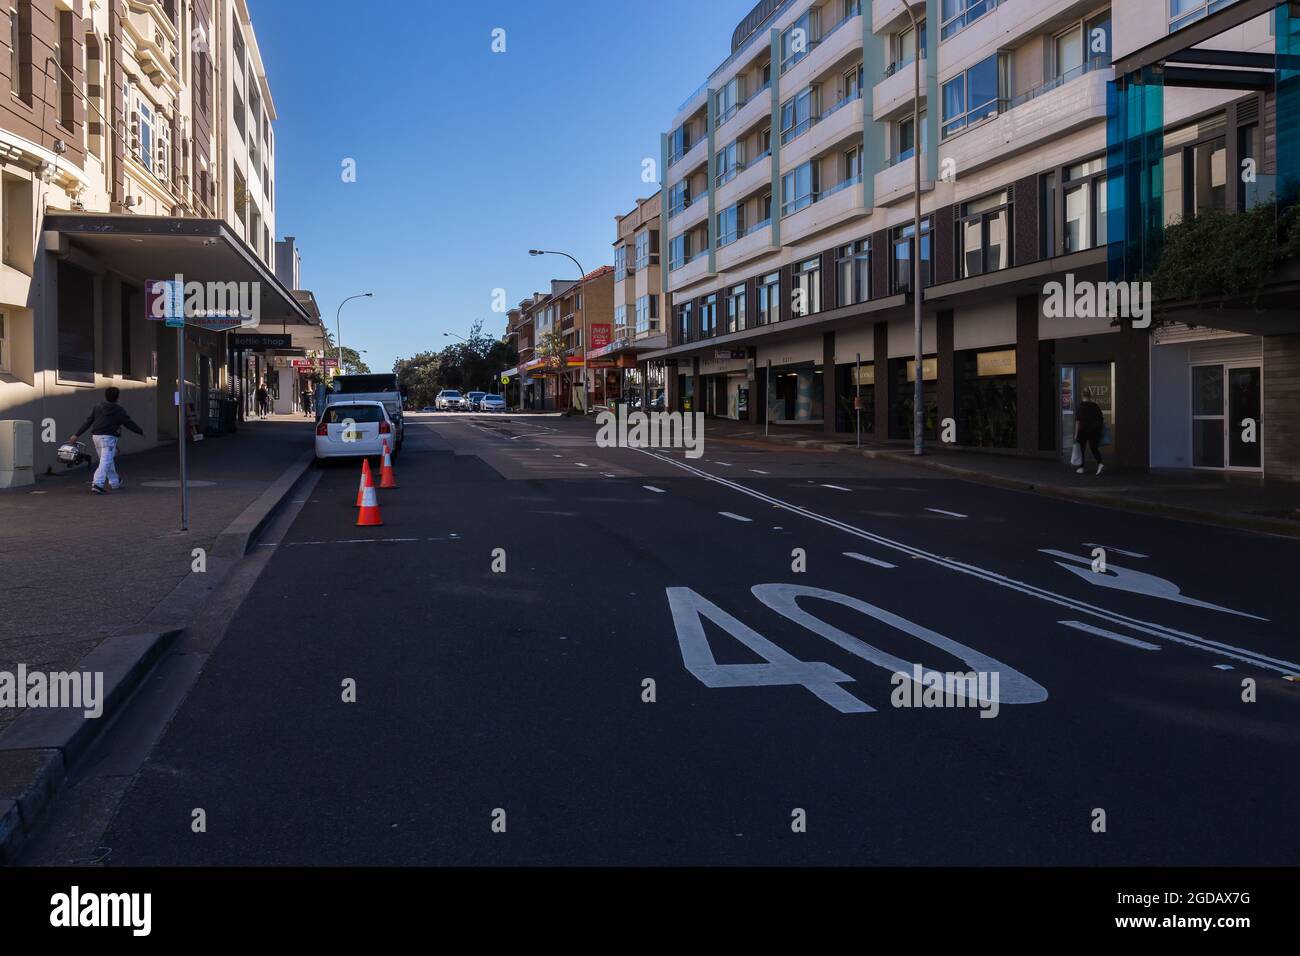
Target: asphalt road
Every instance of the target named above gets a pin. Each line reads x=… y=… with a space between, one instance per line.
x=794 y=583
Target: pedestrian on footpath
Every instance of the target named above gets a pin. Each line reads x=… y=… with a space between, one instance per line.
x=1089 y=427
x=105 y=423
x=306 y=400
x=261 y=398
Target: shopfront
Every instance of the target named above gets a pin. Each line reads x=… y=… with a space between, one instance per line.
x=855 y=391
x=1093 y=382
x=986 y=397
x=902 y=379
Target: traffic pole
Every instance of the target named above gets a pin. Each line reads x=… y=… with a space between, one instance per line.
x=181 y=424
x=857 y=401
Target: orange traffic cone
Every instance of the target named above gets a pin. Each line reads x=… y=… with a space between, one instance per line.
x=368 y=516
x=386 y=477
x=361 y=486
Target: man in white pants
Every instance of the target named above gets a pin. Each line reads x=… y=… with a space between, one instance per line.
x=106 y=422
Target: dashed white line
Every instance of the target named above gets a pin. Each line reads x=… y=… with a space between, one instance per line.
x=862 y=557
x=952 y=514
x=734 y=517
x=658 y=491
x=724 y=464
x=581 y=464
x=1089 y=629
x=757 y=472
x=837 y=487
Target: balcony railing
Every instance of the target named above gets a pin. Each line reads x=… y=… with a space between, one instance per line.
x=852 y=97
x=798 y=129
x=839 y=187
x=899 y=65
x=1096 y=63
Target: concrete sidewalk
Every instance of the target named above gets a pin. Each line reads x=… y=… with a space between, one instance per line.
x=77 y=568
x=1235 y=501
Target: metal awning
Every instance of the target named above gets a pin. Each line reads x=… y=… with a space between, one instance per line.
x=1194 y=34
x=144 y=248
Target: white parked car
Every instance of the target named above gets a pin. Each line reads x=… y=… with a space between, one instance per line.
x=354 y=430
x=448 y=400
x=471 y=401
x=492 y=403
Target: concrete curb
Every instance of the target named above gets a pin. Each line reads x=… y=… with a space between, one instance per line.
x=1237 y=522
x=39 y=749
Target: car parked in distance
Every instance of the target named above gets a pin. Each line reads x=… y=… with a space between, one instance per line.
x=354 y=430
x=448 y=400
x=492 y=403
x=472 y=400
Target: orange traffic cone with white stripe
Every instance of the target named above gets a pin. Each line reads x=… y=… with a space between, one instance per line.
x=368 y=516
x=361 y=486
x=386 y=477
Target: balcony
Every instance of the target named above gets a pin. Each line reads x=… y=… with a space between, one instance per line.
x=889 y=16
x=1003 y=28
x=841 y=40
x=755 y=174
x=834 y=205
x=894 y=93
x=693 y=271
x=895 y=182
x=756 y=107
x=691 y=160
x=757 y=241
x=692 y=215
x=1036 y=117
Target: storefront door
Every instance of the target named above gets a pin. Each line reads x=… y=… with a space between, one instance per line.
x=1078 y=383
x=1227 y=426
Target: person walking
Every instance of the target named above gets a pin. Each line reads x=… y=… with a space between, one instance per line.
x=261 y=399
x=105 y=423
x=306 y=399
x=1089 y=427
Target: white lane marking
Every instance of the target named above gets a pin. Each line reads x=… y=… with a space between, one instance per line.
x=734 y=517
x=953 y=514
x=1223 y=667
x=1089 y=629
x=724 y=464
x=581 y=464
x=1136 y=582
x=1127 y=554
x=557 y=456
x=837 y=487
x=605 y=474
x=992 y=577
x=862 y=557
x=757 y=472
x=658 y=491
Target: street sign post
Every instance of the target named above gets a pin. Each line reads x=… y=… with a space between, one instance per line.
x=173 y=312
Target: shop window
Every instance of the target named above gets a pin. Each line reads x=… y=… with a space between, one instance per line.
x=806 y=295
x=986 y=398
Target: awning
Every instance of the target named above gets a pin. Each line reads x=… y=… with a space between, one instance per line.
x=160 y=247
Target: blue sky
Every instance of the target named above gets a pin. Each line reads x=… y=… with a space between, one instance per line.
x=540 y=146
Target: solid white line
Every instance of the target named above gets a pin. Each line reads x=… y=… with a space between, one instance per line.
x=581 y=465
x=954 y=514
x=837 y=487
x=1089 y=629
x=1113 y=617
x=728 y=514
x=658 y=491
x=862 y=557
x=757 y=472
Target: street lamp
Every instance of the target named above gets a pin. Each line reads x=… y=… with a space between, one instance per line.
x=918 y=391
x=582 y=286
x=338 y=325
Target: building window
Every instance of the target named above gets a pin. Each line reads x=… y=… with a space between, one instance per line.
x=144 y=134
x=1183 y=12
x=901 y=239
x=647 y=249
x=798 y=39
x=729 y=99
x=95 y=128
x=1084 y=190
x=1249 y=194
x=959 y=14
x=800 y=188
x=20 y=50
x=731 y=224
x=763 y=143
x=238 y=41
x=679 y=251
x=853 y=273
x=736 y=308
x=679 y=197
x=1196 y=174
x=905 y=138
x=769 y=299
x=985 y=235
x=729 y=162
x=679 y=143
x=64 y=58
x=238 y=112
x=620 y=263
x=806 y=291
x=684 y=322
x=905 y=45
x=709 y=316
x=798 y=114
x=620 y=318
x=647 y=314
x=975 y=94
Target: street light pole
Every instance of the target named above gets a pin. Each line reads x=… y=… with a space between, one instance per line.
x=582 y=294
x=918 y=392
x=338 y=324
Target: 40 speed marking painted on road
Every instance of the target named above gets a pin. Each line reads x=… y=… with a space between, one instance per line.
x=690 y=609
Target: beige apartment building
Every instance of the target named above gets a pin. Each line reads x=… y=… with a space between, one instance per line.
x=788 y=223
x=638 y=310
x=136 y=145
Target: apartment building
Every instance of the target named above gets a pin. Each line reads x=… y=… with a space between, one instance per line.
x=789 y=222
x=119 y=168
x=638 y=310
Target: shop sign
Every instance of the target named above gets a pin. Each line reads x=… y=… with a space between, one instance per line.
x=600 y=334
x=729 y=353
x=989 y=364
x=929 y=370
